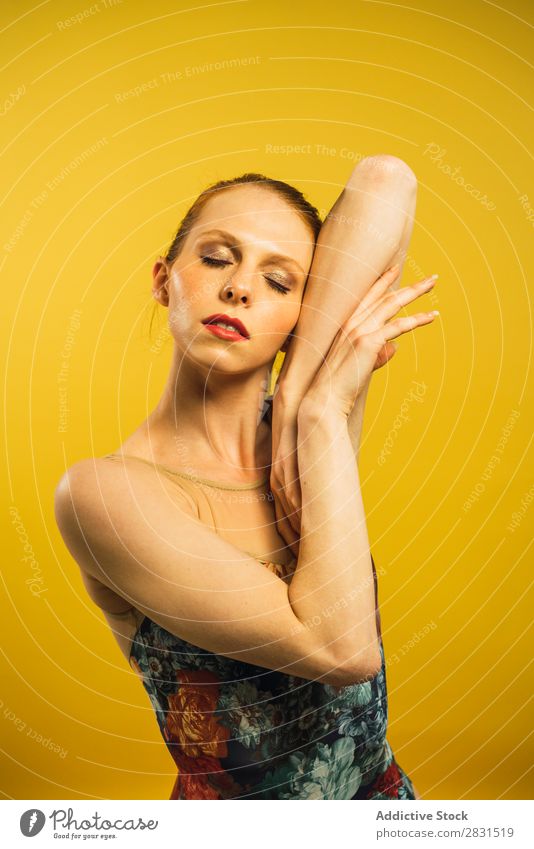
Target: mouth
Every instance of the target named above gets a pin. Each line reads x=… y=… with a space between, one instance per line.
x=226 y=327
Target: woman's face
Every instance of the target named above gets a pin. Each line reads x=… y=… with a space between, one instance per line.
x=247 y=257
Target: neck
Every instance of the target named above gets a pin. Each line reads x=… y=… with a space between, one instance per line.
x=211 y=422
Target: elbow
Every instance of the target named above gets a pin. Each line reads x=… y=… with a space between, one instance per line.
x=354 y=670
x=384 y=168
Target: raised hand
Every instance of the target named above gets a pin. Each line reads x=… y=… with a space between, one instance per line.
x=362 y=345
x=364 y=342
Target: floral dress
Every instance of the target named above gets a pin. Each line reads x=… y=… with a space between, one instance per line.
x=239 y=731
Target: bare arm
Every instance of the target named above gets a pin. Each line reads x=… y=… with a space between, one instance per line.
x=123 y=525
x=367 y=230
x=360 y=237
x=334 y=545
x=356 y=417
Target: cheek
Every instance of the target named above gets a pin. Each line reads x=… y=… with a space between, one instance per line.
x=186 y=297
x=179 y=310
x=282 y=319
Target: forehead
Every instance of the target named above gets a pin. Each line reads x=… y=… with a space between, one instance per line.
x=257 y=217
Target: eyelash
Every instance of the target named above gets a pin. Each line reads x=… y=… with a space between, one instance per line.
x=209 y=260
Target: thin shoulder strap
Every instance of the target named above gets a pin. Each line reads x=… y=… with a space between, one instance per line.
x=187 y=476
x=134 y=457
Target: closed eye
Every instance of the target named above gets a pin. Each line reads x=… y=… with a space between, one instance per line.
x=209 y=260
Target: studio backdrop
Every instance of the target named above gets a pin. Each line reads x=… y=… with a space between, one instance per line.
x=114 y=116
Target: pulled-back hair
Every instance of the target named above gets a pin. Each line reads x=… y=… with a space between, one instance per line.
x=290 y=194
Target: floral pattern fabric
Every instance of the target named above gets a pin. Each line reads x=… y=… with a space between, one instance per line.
x=239 y=731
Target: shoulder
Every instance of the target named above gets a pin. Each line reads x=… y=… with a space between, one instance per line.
x=81 y=484
x=76 y=510
x=109 y=515
x=77 y=481
x=102 y=489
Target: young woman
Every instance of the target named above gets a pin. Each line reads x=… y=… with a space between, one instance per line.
x=255 y=632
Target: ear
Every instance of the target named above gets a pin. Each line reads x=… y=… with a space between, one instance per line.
x=160 y=276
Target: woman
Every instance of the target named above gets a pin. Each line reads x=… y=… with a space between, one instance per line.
x=265 y=667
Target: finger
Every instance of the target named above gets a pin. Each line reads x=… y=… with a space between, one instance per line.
x=390 y=305
x=293 y=500
x=381 y=285
x=284 y=527
x=396 y=328
x=282 y=523
x=292 y=516
x=278 y=506
x=288 y=490
x=386 y=352
x=286 y=532
x=376 y=291
x=281 y=504
x=402 y=297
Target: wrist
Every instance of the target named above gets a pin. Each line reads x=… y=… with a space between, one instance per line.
x=315 y=409
x=288 y=395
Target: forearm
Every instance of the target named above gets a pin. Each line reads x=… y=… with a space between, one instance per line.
x=332 y=588
x=362 y=234
x=355 y=420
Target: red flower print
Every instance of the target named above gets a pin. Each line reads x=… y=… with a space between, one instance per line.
x=388 y=783
x=191 y=721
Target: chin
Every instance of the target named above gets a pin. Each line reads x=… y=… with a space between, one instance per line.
x=209 y=364
x=223 y=358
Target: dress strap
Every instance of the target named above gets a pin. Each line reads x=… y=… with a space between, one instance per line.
x=197 y=478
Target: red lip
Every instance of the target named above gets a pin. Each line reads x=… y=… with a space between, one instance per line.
x=239 y=326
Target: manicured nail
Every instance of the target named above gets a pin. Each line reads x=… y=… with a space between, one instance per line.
x=434 y=312
x=434 y=277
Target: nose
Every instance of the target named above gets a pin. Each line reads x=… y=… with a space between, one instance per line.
x=237 y=290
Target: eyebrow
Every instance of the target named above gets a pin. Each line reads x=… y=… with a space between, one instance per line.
x=228 y=237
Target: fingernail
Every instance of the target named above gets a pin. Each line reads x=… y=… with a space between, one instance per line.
x=434 y=277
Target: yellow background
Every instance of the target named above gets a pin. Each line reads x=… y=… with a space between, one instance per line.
x=96 y=179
